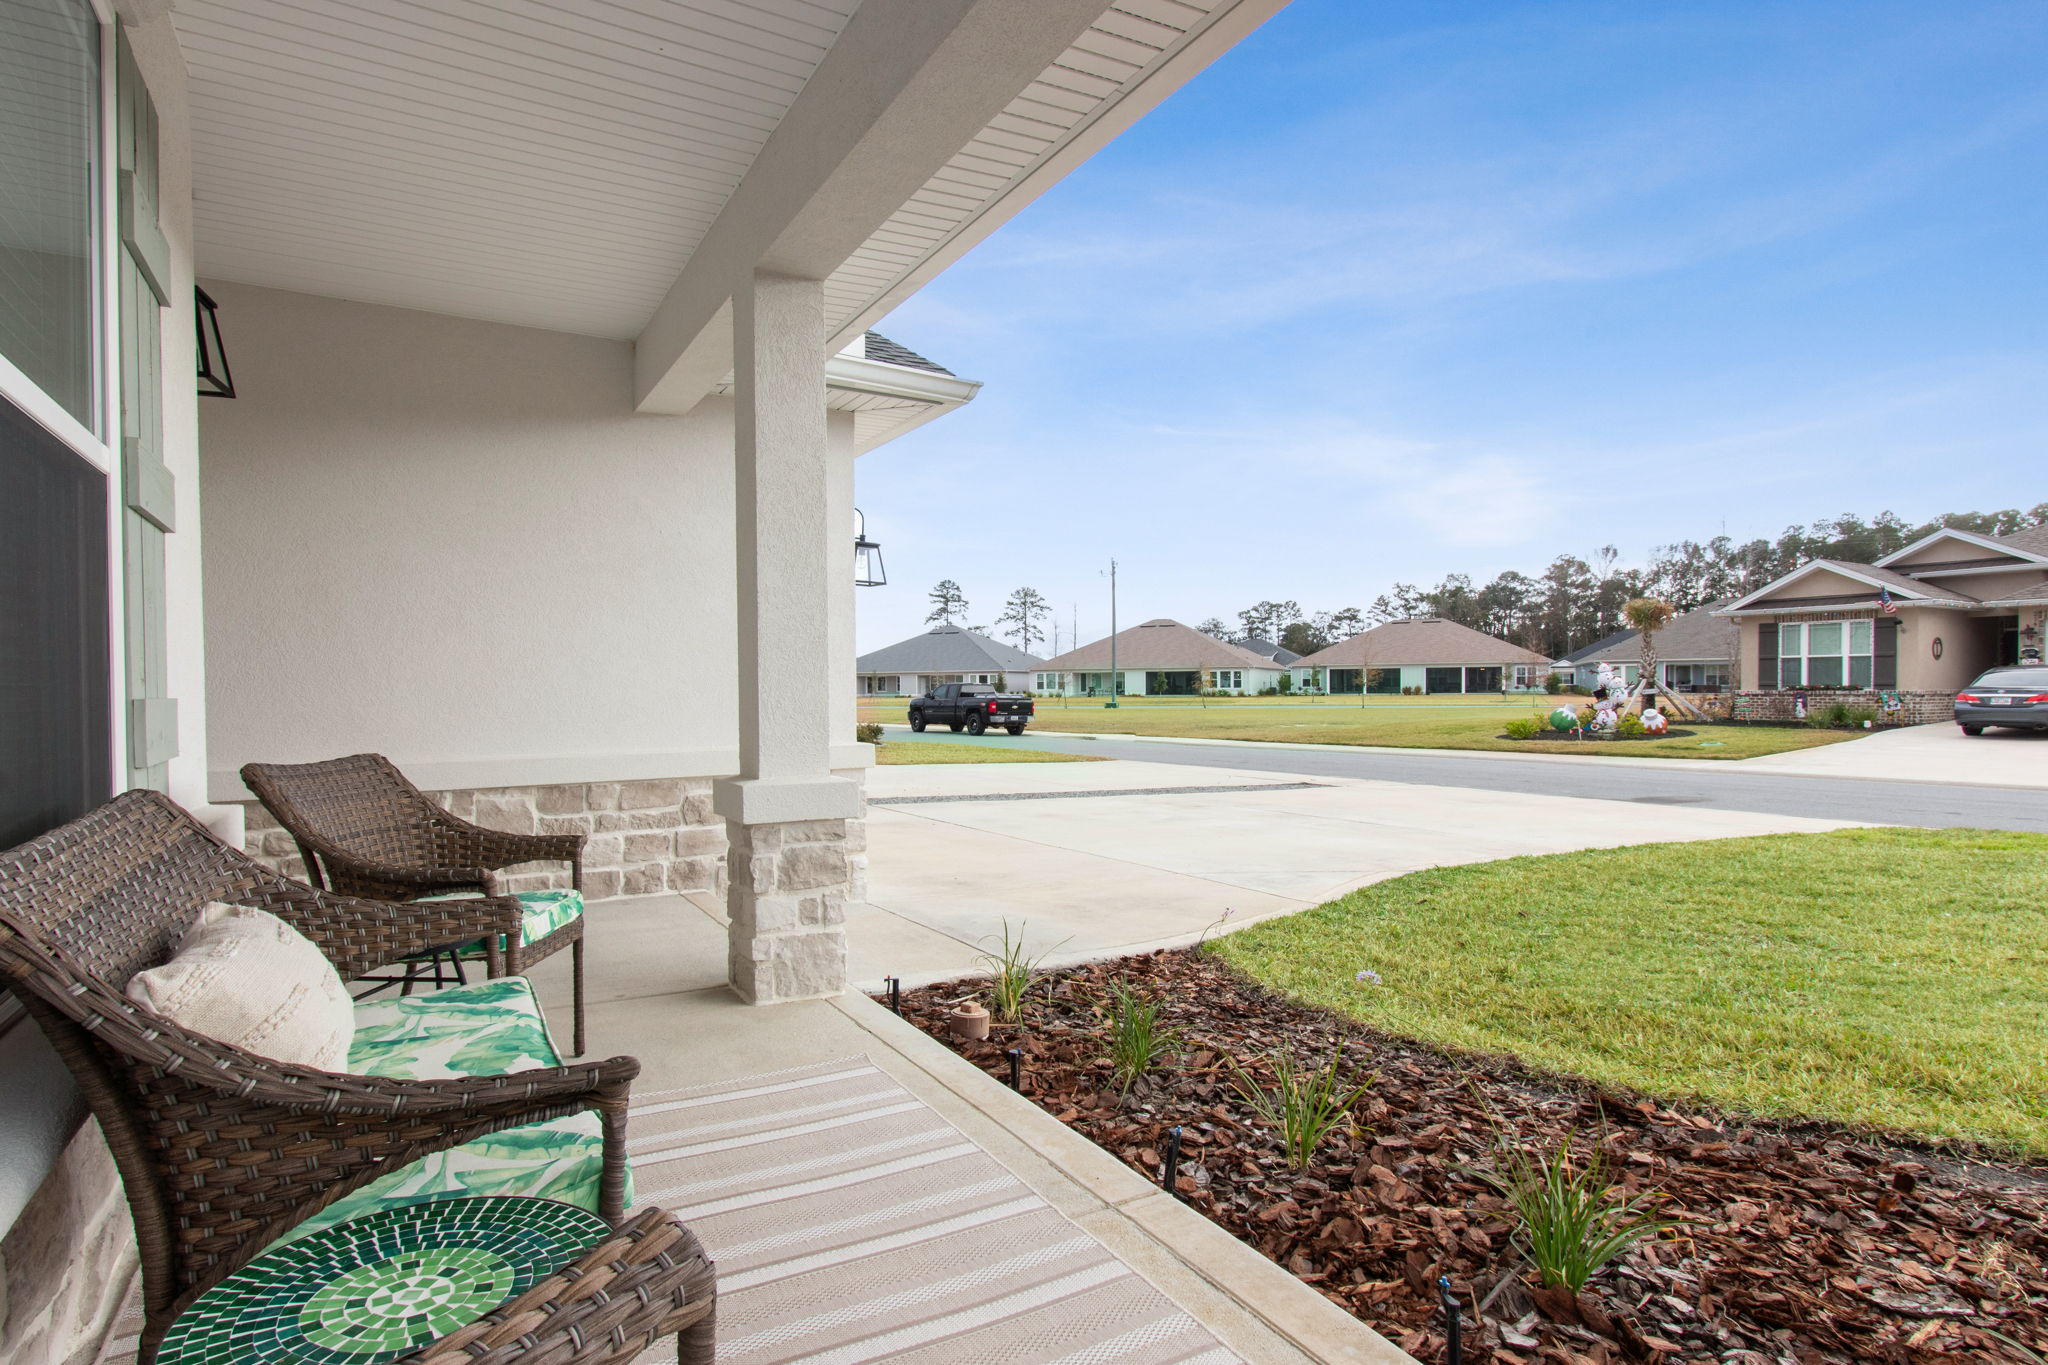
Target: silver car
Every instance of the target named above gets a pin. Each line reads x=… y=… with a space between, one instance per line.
x=2013 y=697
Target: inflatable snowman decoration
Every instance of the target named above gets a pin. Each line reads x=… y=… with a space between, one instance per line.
x=1608 y=696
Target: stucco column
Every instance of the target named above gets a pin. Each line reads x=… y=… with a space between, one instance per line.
x=785 y=812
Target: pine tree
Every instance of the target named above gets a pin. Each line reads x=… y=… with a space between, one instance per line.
x=949 y=604
x=1020 y=618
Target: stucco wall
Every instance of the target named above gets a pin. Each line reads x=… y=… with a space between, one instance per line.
x=454 y=542
x=1968 y=647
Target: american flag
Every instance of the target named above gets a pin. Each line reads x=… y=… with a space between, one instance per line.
x=1885 y=603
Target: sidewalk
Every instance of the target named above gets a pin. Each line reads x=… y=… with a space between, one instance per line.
x=1097 y=859
x=1938 y=754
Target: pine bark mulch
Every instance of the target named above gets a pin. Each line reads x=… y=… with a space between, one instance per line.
x=1810 y=1245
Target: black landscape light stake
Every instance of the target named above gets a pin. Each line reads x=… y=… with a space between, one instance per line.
x=1016 y=1055
x=896 y=995
x=1454 y=1325
x=1170 y=1177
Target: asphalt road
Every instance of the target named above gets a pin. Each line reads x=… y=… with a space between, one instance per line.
x=1722 y=786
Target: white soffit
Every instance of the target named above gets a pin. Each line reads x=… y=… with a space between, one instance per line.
x=554 y=163
x=550 y=163
x=1059 y=120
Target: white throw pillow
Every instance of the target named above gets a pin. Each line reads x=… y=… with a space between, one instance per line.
x=246 y=977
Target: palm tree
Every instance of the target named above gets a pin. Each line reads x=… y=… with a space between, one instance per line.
x=1646 y=616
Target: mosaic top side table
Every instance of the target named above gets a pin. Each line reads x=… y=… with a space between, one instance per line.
x=379 y=1287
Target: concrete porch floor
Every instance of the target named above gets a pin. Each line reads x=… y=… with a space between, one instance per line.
x=656 y=991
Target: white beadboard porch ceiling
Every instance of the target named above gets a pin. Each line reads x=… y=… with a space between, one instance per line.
x=553 y=163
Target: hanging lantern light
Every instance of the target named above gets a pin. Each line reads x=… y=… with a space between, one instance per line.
x=215 y=379
x=867 y=556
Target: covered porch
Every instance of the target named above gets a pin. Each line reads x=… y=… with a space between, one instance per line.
x=539 y=354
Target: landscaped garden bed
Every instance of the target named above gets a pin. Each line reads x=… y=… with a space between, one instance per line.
x=1804 y=1243
x=1856 y=1172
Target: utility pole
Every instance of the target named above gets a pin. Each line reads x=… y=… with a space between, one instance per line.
x=1115 y=678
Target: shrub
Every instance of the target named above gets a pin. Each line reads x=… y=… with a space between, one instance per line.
x=1307 y=1104
x=1573 y=1218
x=868 y=733
x=1136 y=1037
x=1553 y=684
x=1839 y=715
x=1629 y=727
x=1522 y=729
x=1012 y=974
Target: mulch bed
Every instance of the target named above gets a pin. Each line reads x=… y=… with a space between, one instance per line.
x=1811 y=1243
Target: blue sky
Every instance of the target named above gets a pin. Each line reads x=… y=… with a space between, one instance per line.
x=1398 y=289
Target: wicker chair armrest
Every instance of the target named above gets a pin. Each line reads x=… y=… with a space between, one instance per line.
x=458 y=841
x=441 y=874
x=647 y=1281
x=360 y=936
x=551 y=1088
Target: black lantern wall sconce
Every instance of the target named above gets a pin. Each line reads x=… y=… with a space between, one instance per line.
x=216 y=380
x=867 y=556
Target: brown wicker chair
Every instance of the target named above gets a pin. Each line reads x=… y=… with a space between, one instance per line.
x=222 y=1151
x=364 y=830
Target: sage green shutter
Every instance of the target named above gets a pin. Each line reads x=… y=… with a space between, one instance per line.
x=149 y=494
x=1767 y=656
x=1884 y=653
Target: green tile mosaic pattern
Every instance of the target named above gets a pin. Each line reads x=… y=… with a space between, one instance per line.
x=374 y=1288
x=540 y=914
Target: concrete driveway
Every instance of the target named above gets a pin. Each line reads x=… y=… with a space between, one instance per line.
x=1924 y=753
x=1095 y=859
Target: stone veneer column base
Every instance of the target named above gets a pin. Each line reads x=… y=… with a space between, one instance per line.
x=69 y=1259
x=787 y=901
x=645 y=837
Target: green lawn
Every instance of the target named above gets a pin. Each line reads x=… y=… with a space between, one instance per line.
x=1892 y=978
x=1400 y=722
x=920 y=752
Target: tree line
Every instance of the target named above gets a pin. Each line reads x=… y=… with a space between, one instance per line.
x=1565 y=606
x=1572 y=602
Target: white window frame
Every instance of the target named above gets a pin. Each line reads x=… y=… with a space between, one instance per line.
x=1226 y=680
x=99 y=449
x=1846 y=654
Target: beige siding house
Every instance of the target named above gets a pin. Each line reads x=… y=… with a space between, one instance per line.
x=1158 y=658
x=1918 y=624
x=1425 y=656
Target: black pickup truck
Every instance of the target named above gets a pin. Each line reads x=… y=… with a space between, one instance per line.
x=972 y=707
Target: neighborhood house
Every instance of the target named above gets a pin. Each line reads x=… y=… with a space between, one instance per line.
x=1915 y=627
x=1160 y=658
x=910 y=668
x=1421 y=656
x=1695 y=653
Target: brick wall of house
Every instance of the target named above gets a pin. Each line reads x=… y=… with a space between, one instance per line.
x=1920 y=708
x=644 y=837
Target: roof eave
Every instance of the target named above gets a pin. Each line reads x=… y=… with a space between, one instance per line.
x=1952 y=533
